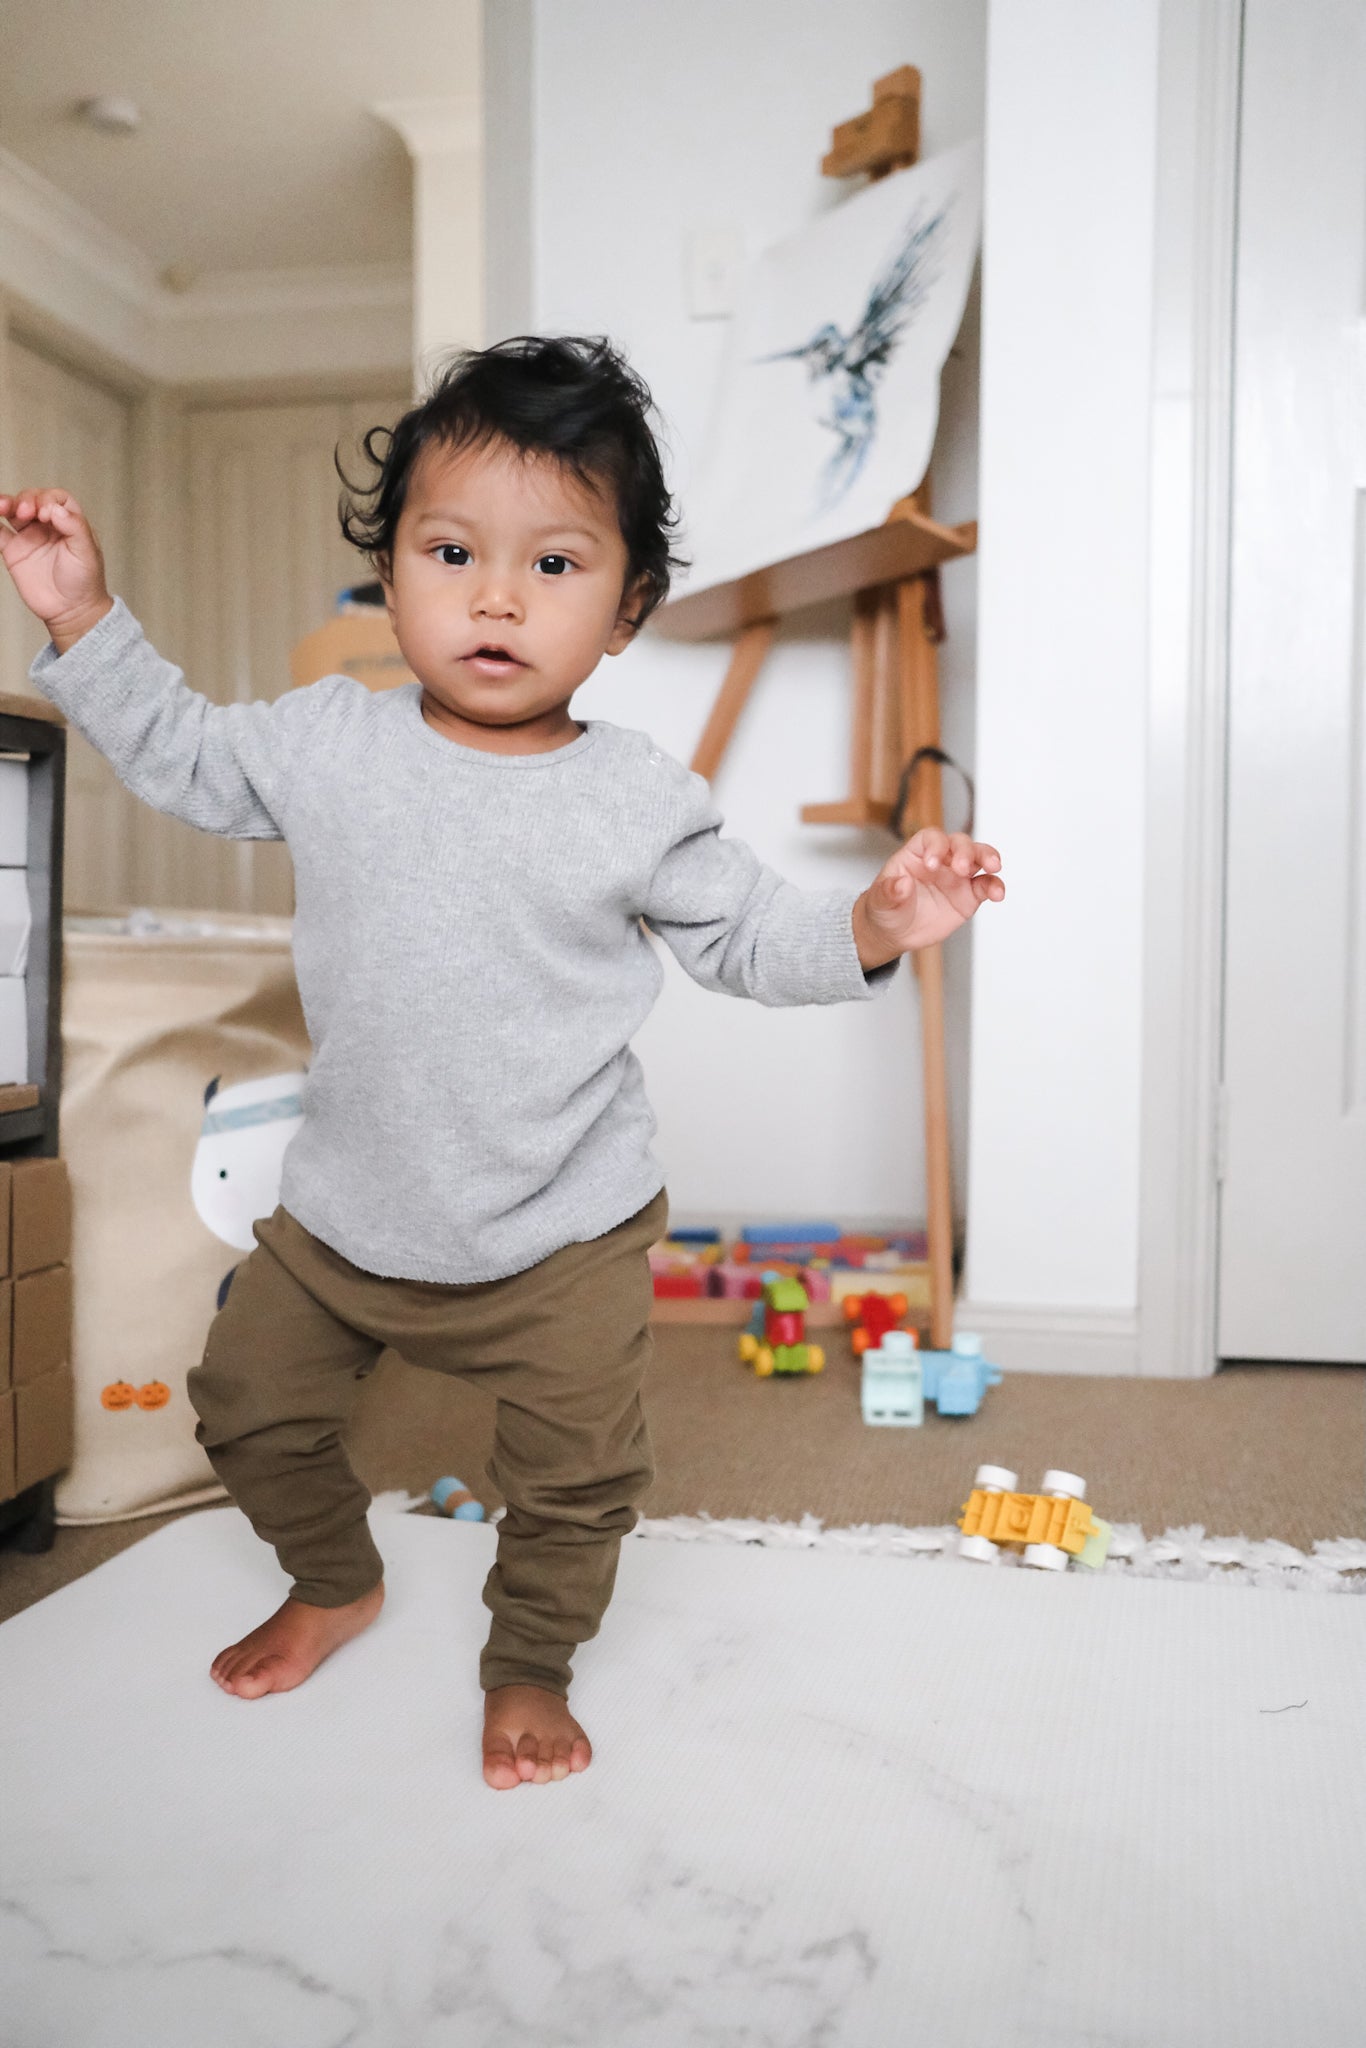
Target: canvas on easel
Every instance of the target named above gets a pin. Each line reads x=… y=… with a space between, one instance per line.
x=830 y=395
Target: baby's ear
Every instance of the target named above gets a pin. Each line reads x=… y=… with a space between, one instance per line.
x=628 y=620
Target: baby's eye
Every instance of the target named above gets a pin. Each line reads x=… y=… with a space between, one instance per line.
x=453 y=547
x=554 y=565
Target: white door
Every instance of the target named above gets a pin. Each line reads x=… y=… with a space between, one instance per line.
x=1293 y=1211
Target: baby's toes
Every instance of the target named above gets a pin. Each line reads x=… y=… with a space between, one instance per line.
x=500 y=1765
x=559 y=1762
x=528 y=1758
x=257 y=1677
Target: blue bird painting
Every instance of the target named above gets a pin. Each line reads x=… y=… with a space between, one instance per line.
x=847 y=368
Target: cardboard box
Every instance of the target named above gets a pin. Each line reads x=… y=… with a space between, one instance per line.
x=13 y=814
x=44 y=1412
x=8 y=1489
x=5 y=1179
x=13 y=1028
x=354 y=644
x=42 y=1324
x=6 y=1332
x=40 y=1210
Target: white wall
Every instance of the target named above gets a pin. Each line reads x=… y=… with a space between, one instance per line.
x=651 y=120
x=1072 y=107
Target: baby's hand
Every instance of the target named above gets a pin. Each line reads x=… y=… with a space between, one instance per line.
x=927 y=889
x=55 y=561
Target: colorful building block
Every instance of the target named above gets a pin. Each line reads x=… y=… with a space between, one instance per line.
x=776 y=1341
x=892 y=1393
x=872 y=1314
x=1047 y=1527
x=956 y=1380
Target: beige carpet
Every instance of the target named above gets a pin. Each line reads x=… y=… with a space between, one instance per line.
x=1256 y=1451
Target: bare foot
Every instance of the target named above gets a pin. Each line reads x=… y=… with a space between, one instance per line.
x=283 y=1651
x=530 y=1738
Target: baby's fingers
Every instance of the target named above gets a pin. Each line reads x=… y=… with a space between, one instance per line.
x=929 y=845
x=53 y=506
x=988 y=888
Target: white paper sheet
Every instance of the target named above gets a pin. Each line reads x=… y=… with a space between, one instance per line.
x=830 y=395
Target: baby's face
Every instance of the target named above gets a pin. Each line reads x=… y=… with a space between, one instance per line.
x=505 y=590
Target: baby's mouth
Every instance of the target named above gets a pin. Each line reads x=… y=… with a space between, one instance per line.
x=492 y=660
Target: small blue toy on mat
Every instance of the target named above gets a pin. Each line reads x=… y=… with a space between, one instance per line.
x=454 y=1498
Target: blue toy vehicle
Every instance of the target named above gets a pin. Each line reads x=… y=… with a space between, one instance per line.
x=956 y=1380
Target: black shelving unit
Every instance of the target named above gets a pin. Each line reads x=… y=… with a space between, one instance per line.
x=27 y=727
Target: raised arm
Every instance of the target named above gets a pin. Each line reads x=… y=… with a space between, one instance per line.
x=225 y=768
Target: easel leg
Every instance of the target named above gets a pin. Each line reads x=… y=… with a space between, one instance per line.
x=938 y=1176
x=747 y=658
x=920 y=728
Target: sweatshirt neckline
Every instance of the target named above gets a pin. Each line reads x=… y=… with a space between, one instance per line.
x=481 y=757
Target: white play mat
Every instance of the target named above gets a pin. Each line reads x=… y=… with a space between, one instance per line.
x=839 y=1801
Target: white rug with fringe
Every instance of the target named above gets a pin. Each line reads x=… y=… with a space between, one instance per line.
x=849 y=1792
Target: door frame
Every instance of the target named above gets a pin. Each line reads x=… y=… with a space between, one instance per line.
x=1200 y=95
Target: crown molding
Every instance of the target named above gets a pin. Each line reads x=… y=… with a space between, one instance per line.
x=97 y=288
x=321 y=288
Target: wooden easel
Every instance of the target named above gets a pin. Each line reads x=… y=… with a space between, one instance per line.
x=891 y=573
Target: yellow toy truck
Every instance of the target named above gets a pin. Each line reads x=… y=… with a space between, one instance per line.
x=1048 y=1527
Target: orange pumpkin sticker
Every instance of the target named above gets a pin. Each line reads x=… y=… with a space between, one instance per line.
x=118 y=1394
x=154 y=1394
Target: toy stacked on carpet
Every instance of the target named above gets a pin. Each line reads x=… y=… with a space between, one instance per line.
x=700 y=1277
x=782 y=1280
x=776 y=1339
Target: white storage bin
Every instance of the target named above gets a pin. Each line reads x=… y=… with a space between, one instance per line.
x=13 y=1029
x=13 y=814
x=16 y=920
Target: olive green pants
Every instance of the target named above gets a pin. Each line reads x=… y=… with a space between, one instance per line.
x=562 y=1347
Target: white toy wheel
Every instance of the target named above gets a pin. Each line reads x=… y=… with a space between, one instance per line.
x=995 y=1478
x=979 y=1548
x=1065 y=1483
x=1046 y=1556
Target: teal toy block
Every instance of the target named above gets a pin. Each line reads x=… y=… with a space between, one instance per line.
x=893 y=1393
x=956 y=1380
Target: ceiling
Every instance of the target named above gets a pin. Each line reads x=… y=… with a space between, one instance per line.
x=257 y=149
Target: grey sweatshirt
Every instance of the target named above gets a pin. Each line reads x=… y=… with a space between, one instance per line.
x=467 y=942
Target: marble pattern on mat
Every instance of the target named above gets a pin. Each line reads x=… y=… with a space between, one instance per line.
x=839 y=1802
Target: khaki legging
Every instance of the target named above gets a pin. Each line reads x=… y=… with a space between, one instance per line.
x=563 y=1347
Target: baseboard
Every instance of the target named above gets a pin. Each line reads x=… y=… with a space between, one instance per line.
x=1054 y=1339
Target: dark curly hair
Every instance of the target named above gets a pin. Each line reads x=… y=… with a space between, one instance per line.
x=572 y=397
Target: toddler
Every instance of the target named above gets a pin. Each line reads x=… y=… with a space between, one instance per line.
x=475 y=871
